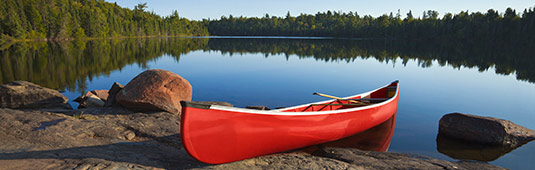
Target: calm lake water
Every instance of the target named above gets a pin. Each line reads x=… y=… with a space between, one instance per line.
x=279 y=72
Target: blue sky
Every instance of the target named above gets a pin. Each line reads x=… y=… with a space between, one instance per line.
x=214 y=9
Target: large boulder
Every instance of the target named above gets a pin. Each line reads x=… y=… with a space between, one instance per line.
x=484 y=130
x=155 y=90
x=26 y=95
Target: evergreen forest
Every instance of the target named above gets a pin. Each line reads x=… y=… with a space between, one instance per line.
x=63 y=19
x=464 y=26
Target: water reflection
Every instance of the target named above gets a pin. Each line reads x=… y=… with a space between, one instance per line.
x=506 y=58
x=462 y=150
x=377 y=138
x=68 y=65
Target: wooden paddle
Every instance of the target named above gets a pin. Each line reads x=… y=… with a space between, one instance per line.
x=337 y=98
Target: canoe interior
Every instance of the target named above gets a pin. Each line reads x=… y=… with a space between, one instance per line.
x=374 y=97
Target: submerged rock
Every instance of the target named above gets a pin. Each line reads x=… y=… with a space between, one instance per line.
x=155 y=90
x=462 y=150
x=26 y=95
x=484 y=130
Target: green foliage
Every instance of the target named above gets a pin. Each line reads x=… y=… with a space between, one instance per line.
x=58 y=19
x=80 y=33
x=491 y=26
x=5 y=39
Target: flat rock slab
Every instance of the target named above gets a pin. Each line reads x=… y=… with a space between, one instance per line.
x=285 y=161
x=26 y=95
x=113 y=139
x=484 y=130
x=344 y=158
x=385 y=161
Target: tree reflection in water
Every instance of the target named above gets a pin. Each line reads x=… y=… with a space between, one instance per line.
x=68 y=65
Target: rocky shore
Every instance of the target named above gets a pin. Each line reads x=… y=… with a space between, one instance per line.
x=43 y=133
x=115 y=138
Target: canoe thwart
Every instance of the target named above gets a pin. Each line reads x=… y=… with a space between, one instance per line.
x=371 y=100
x=334 y=97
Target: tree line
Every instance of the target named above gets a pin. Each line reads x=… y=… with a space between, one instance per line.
x=491 y=25
x=60 y=19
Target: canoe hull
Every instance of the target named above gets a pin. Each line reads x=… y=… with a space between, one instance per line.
x=225 y=135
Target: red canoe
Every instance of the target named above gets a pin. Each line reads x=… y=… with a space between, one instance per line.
x=220 y=134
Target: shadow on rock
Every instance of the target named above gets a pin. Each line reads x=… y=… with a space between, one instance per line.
x=45 y=140
x=146 y=154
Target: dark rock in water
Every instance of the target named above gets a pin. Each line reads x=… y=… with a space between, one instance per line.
x=115 y=88
x=462 y=150
x=155 y=90
x=258 y=107
x=215 y=103
x=484 y=130
x=26 y=95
